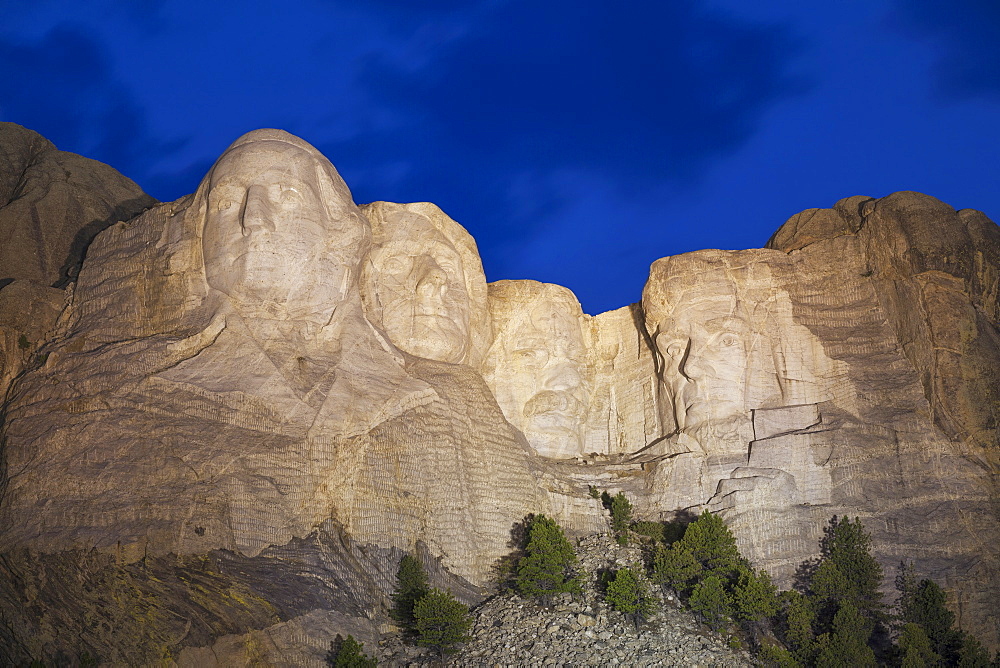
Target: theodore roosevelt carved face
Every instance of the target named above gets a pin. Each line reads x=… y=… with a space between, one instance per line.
x=282 y=237
x=538 y=365
x=423 y=281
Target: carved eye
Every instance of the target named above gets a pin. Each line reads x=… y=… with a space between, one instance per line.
x=288 y=196
x=729 y=340
x=394 y=265
x=529 y=356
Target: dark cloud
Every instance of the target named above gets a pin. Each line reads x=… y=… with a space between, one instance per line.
x=637 y=93
x=63 y=86
x=968 y=36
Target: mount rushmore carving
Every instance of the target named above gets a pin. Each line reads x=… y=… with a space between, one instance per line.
x=265 y=372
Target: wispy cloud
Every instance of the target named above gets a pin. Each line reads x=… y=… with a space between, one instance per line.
x=967 y=33
x=63 y=85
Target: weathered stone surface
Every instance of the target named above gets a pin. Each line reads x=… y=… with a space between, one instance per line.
x=539 y=366
x=268 y=379
x=52 y=203
x=424 y=284
x=228 y=393
x=28 y=315
x=806 y=384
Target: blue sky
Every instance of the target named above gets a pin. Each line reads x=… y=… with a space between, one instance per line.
x=578 y=141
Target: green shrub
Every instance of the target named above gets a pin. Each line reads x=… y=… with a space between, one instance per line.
x=627 y=593
x=411 y=586
x=711 y=602
x=652 y=530
x=347 y=653
x=441 y=622
x=547 y=565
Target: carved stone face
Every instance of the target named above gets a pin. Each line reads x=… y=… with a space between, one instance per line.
x=699 y=310
x=419 y=279
x=420 y=285
x=281 y=237
x=704 y=350
x=537 y=367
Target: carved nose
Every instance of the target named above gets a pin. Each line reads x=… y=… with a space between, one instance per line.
x=431 y=288
x=432 y=281
x=257 y=210
x=562 y=376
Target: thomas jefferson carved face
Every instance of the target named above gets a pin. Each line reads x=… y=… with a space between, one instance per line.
x=282 y=237
x=538 y=364
x=416 y=283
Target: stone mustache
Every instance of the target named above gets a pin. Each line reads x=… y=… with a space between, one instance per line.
x=264 y=357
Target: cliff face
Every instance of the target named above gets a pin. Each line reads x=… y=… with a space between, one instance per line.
x=52 y=204
x=259 y=396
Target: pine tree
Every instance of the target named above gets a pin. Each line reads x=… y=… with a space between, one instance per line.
x=628 y=594
x=915 y=648
x=798 y=627
x=547 y=565
x=675 y=566
x=411 y=586
x=441 y=621
x=906 y=585
x=848 y=546
x=774 y=656
x=755 y=600
x=710 y=600
x=621 y=516
x=712 y=545
x=847 y=645
x=971 y=654
x=927 y=608
x=346 y=653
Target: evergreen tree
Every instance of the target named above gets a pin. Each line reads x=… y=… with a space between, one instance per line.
x=755 y=600
x=906 y=585
x=710 y=600
x=774 y=656
x=829 y=584
x=915 y=648
x=847 y=645
x=547 y=565
x=628 y=594
x=675 y=566
x=847 y=546
x=346 y=653
x=798 y=625
x=441 y=621
x=621 y=516
x=927 y=608
x=411 y=586
x=712 y=545
x=971 y=654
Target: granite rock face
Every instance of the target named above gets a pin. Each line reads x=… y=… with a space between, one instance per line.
x=52 y=204
x=272 y=393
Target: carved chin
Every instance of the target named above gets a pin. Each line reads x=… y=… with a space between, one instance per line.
x=554 y=442
x=439 y=339
x=554 y=434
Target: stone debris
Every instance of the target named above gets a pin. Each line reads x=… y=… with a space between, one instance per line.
x=513 y=632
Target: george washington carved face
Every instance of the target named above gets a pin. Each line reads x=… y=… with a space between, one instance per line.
x=281 y=236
